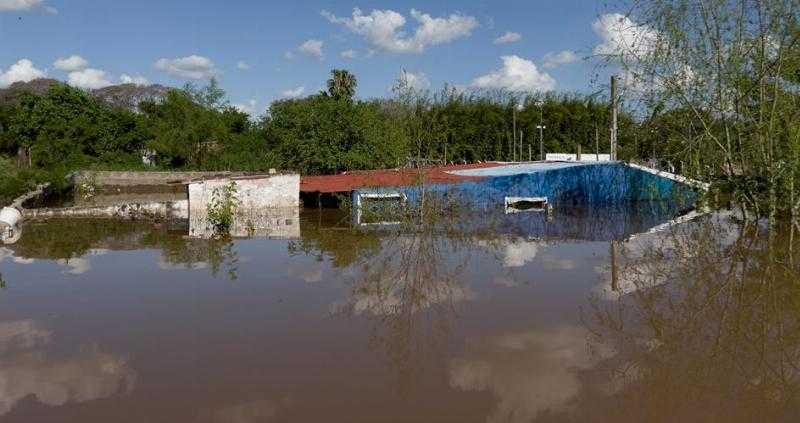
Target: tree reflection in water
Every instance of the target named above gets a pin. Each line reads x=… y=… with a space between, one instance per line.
x=69 y=240
x=708 y=328
x=411 y=285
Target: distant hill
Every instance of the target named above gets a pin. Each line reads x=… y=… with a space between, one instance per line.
x=9 y=96
x=126 y=96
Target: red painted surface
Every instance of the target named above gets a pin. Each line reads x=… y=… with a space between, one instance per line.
x=348 y=181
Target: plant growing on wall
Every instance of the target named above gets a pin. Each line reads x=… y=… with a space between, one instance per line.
x=222 y=208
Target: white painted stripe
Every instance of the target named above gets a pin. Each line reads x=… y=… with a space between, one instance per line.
x=677 y=178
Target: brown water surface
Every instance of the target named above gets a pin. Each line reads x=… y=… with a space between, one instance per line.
x=584 y=317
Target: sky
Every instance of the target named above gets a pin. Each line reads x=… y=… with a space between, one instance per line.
x=261 y=51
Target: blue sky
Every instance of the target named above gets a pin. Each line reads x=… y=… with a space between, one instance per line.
x=289 y=45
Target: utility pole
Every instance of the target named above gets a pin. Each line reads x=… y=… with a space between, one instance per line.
x=541 y=141
x=613 y=117
x=521 y=145
x=530 y=153
x=596 y=143
x=514 y=114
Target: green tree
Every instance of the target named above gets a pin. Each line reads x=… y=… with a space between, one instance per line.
x=342 y=84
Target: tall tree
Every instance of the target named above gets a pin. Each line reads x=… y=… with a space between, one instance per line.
x=342 y=84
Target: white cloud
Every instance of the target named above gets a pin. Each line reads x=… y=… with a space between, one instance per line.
x=249 y=107
x=89 y=78
x=383 y=29
x=136 y=80
x=415 y=81
x=348 y=54
x=508 y=37
x=190 y=67
x=24 y=5
x=293 y=92
x=516 y=75
x=527 y=372
x=519 y=252
x=33 y=369
x=289 y=55
x=622 y=36
x=242 y=65
x=22 y=71
x=312 y=48
x=564 y=57
x=71 y=64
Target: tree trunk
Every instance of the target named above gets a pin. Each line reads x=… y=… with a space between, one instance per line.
x=23 y=158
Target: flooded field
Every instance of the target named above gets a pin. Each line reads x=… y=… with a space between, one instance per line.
x=583 y=315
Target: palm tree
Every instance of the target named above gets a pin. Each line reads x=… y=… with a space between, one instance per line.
x=342 y=84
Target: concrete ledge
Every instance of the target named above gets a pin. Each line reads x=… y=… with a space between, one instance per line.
x=100 y=179
x=154 y=210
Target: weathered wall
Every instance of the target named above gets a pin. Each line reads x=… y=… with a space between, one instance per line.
x=252 y=193
x=275 y=223
x=267 y=206
x=147 y=210
x=100 y=179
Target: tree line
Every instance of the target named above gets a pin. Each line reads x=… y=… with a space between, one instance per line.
x=63 y=129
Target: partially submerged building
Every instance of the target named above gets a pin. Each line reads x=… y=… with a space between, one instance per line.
x=510 y=187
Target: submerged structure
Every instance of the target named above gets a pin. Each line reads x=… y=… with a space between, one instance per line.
x=268 y=204
x=511 y=187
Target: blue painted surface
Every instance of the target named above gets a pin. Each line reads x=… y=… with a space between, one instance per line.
x=564 y=184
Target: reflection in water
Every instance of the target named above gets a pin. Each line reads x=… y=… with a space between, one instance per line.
x=410 y=288
x=258 y=411
x=710 y=328
x=29 y=366
x=277 y=223
x=73 y=242
x=468 y=319
x=528 y=372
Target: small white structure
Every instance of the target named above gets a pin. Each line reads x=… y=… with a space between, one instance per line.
x=252 y=192
x=267 y=205
x=588 y=157
x=9 y=228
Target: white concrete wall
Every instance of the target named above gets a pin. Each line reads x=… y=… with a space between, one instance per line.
x=585 y=157
x=269 y=206
x=253 y=193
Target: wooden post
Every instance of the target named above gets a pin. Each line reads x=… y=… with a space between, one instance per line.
x=579 y=152
x=530 y=153
x=613 y=117
x=521 y=146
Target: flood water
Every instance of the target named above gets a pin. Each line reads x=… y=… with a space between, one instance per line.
x=582 y=316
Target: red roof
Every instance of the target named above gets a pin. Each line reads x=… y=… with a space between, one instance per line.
x=348 y=181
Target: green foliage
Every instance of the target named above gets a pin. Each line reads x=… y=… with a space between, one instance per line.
x=212 y=96
x=222 y=209
x=319 y=134
x=67 y=127
x=342 y=85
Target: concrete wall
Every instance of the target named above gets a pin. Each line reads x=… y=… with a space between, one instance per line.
x=252 y=193
x=268 y=206
x=100 y=179
x=147 y=210
x=585 y=157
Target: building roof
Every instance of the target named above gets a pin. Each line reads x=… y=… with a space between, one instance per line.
x=348 y=181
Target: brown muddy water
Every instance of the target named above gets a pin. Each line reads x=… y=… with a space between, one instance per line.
x=589 y=316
